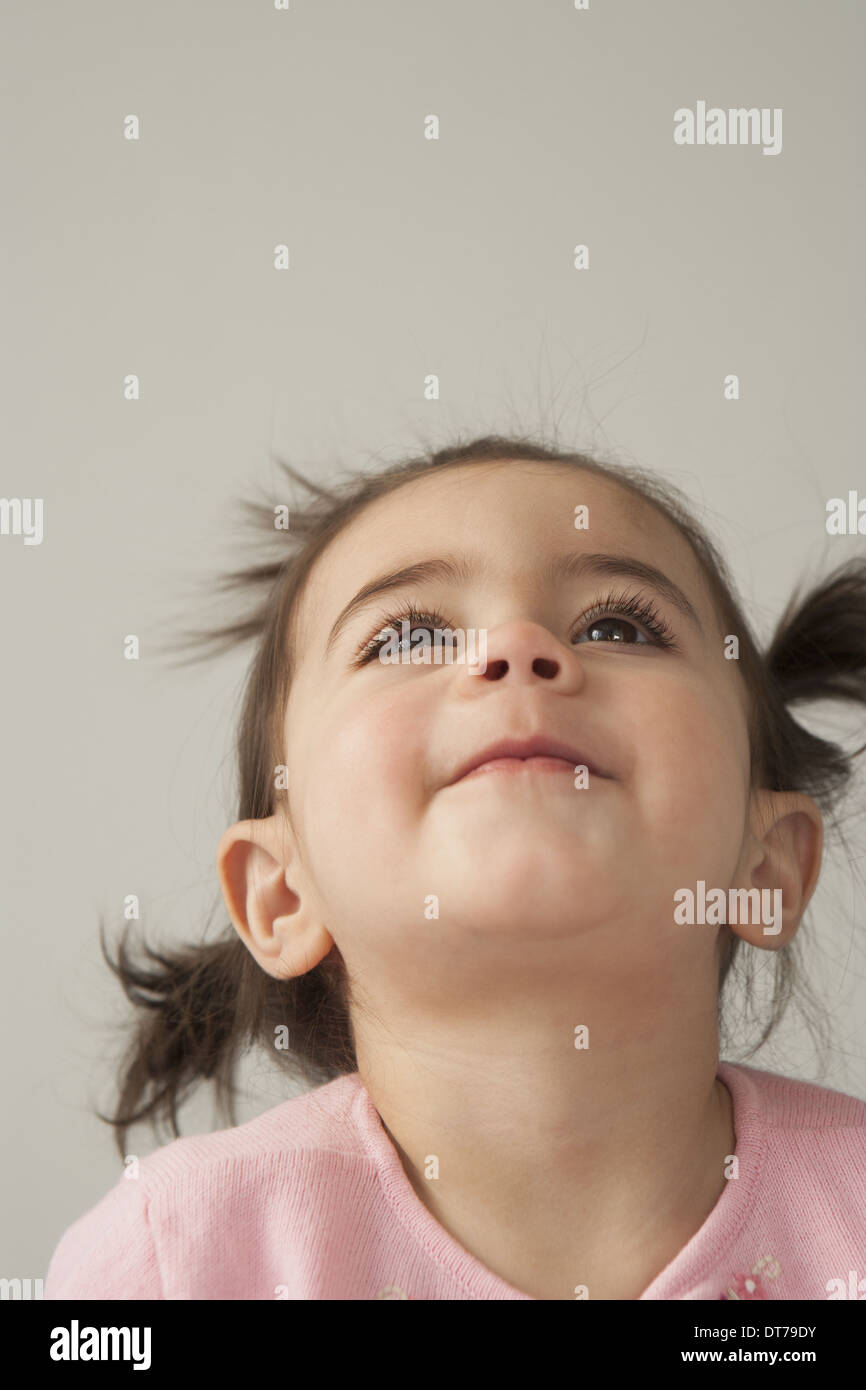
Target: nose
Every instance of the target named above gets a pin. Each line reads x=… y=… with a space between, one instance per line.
x=525 y=653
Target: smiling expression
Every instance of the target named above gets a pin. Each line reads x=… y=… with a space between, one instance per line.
x=374 y=749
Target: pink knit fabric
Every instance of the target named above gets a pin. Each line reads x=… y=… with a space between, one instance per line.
x=310 y=1201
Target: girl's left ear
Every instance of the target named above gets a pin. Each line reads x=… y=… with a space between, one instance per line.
x=788 y=833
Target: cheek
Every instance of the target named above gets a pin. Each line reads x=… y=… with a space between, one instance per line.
x=691 y=767
x=363 y=778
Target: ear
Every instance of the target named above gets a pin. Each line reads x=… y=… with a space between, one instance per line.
x=260 y=877
x=783 y=851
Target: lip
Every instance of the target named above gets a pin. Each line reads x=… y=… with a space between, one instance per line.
x=538 y=746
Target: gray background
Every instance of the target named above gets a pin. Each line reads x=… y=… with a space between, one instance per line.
x=408 y=257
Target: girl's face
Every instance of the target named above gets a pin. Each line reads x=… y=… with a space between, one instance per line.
x=453 y=889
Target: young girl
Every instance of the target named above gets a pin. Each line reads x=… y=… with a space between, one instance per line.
x=485 y=912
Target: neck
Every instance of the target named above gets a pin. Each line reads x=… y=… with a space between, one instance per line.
x=559 y=1167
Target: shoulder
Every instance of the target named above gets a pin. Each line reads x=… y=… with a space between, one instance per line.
x=801 y=1198
x=811 y=1138
x=786 y=1104
x=108 y=1252
x=319 y=1120
x=119 y=1248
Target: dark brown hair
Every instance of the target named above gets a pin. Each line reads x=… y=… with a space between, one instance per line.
x=201 y=1005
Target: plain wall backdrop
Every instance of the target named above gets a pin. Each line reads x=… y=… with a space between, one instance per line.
x=408 y=257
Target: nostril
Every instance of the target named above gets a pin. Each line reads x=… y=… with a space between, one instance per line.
x=495 y=670
x=542 y=667
x=548 y=670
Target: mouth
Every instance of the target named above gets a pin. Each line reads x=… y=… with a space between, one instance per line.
x=516 y=755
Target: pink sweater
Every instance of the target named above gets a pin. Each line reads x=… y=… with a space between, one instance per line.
x=310 y=1201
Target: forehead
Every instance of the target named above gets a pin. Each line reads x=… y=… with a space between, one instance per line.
x=515 y=513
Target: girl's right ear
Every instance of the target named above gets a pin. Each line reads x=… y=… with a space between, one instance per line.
x=277 y=922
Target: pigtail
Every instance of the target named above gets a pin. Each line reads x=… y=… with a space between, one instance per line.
x=819 y=649
x=190 y=1026
x=818 y=652
x=200 y=1006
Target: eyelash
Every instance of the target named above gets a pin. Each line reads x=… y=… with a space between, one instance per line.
x=623 y=604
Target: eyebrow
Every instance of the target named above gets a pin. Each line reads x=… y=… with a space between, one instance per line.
x=571 y=566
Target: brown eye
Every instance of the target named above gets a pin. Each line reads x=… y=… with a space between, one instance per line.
x=594 y=630
x=626 y=612
x=412 y=616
